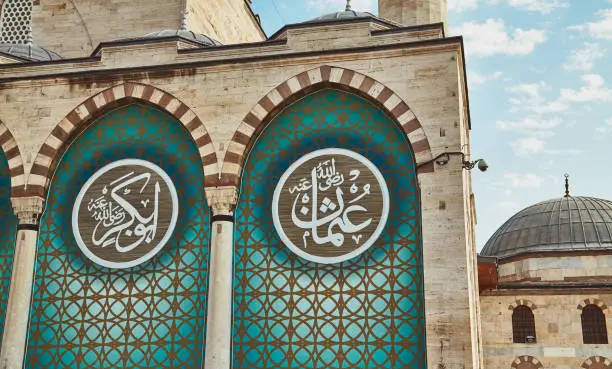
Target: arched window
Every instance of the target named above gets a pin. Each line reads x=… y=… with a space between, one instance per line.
x=523 y=325
x=15 y=18
x=594 y=329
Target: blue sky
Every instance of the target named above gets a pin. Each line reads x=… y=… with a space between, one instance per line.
x=540 y=76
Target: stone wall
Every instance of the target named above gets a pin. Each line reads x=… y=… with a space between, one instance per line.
x=74 y=28
x=222 y=86
x=558 y=328
x=227 y=21
x=560 y=268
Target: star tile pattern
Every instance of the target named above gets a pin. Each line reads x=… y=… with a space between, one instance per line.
x=7 y=237
x=151 y=316
x=365 y=313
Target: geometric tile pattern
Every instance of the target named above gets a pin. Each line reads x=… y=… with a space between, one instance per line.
x=150 y=316
x=364 y=313
x=300 y=85
x=15 y=21
x=8 y=229
x=119 y=95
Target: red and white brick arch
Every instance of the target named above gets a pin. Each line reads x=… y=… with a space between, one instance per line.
x=526 y=362
x=597 y=362
x=522 y=302
x=600 y=304
x=14 y=158
x=77 y=120
x=305 y=82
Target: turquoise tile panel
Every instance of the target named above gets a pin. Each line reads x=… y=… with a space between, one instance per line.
x=151 y=316
x=365 y=313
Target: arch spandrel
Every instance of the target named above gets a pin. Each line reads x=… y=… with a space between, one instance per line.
x=309 y=81
x=78 y=119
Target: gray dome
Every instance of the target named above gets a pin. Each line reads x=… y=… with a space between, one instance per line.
x=347 y=14
x=28 y=52
x=188 y=35
x=558 y=225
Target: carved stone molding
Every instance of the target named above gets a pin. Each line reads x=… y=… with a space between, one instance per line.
x=222 y=200
x=28 y=209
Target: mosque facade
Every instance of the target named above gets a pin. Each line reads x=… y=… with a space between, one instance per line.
x=180 y=190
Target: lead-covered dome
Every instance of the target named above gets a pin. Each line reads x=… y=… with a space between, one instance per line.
x=346 y=14
x=559 y=225
x=182 y=33
x=28 y=52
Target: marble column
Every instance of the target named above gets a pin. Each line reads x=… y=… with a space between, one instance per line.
x=222 y=201
x=28 y=210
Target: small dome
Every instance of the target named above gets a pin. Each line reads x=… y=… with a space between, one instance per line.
x=347 y=14
x=28 y=52
x=558 y=225
x=188 y=35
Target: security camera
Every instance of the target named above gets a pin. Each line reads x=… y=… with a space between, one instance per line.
x=482 y=165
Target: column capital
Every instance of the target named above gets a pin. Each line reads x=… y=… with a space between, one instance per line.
x=28 y=209
x=222 y=200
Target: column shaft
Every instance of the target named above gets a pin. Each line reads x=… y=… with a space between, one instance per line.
x=20 y=295
x=219 y=320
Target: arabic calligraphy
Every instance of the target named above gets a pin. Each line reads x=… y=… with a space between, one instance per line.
x=330 y=205
x=125 y=213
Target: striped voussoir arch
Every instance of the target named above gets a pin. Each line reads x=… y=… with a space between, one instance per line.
x=522 y=302
x=595 y=302
x=62 y=135
x=597 y=362
x=15 y=161
x=526 y=362
x=307 y=81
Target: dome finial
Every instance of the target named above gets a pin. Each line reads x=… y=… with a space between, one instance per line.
x=567 y=191
x=184 y=20
x=348 y=6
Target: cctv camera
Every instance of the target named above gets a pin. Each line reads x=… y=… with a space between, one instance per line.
x=482 y=165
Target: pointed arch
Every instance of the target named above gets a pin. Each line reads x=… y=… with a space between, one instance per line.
x=14 y=158
x=78 y=119
x=305 y=82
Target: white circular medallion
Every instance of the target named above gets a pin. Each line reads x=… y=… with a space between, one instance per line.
x=125 y=213
x=331 y=205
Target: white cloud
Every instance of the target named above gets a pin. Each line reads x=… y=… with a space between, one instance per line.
x=528 y=146
x=338 y=5
x=527 y=180
x=530 y=125
x=594 y=90
x=583 y=59
x=540 y=6
x=491 y=37
x=606 y=128
x=459 y=6
x=479 y=79
x=601 y=29
x=529 y=96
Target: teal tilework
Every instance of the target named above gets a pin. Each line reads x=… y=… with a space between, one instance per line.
x=151 y=316
x=365 y=313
